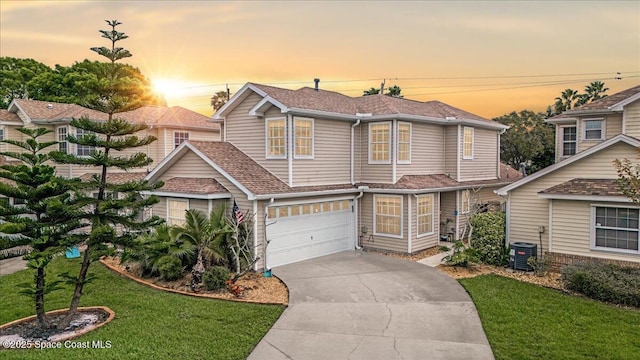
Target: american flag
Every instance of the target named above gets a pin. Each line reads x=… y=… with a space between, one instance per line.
x=237 y=214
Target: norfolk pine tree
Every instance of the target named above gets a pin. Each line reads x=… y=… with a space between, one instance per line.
x=114 y=220
x=48 y=215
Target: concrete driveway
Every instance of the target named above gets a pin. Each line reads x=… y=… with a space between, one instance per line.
x=359 y=305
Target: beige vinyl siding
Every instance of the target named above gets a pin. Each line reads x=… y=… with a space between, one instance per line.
x=160 y=209
x=199 y=204
x=331 y=155
x=247 y=133
x=484 y=164
x=377 y=241
x=168 y=141
x=427 y=152
x=612 y=126
x=426 y=241
x=375 y=173
x=632 y=119
x=572 y=230
x=450 y=151
x=528 y=211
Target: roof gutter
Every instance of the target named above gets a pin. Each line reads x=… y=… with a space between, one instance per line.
x=302 y=194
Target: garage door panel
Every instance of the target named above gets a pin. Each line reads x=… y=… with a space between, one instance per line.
x=297 y=238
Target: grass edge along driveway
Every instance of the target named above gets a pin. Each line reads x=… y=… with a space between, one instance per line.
x=526 y=321
x=149 y=324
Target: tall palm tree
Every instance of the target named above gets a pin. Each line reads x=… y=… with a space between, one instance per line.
x=566 y=100
x=595 y=90
x=207 y=234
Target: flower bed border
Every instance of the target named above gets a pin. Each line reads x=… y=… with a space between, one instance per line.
x=208 y=296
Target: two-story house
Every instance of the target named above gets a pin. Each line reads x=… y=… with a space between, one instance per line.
x=170 y=125
x=323 y=172
x=574 y=208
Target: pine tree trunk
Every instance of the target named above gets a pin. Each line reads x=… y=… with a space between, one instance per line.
x=77 y=293
x=43 y=322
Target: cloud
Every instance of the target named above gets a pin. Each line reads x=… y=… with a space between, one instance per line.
x=42 y=37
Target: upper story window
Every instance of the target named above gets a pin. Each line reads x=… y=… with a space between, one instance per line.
x=593 y=129
x=467 y=148
x=179 y=137
x=615 y=228
x=303 y=141
x=387 y=215
x=569 y=140
x=82 y=150
x=404 y=143
x=425 y=214
x=380 y=143
x=276 y=139
x=63 y=145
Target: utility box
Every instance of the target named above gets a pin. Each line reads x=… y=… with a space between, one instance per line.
x=519 y=253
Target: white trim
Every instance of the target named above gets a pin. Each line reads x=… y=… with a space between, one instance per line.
x=433 y=215
x=393 y=150
x=603 y=126
x=295 y=140
x=289 y=148
x=409 y=232
x=187 y=196
x=550 y=226
x=457 y=214
x=304 y=202
x=255 y=234
x=570 y=160
x=180 y=132
x=266 y=138
x=167 y=206
x=401 y=216
x=458 y=152
x=209 y=206
x=620 y=105
x=507 y=221
x=473 y=140
x=624 y=122
x=66 y=133
x=254 y=111
x=592 y=229
x=398 y=124
x=622 y=199
x=371 y=161
x=560 y=153
x=498 y=175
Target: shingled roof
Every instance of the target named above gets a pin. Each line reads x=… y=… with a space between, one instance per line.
x=9 y=116
x=187 y=185
x=175 y=116
x=590 y=187
x=606 y=102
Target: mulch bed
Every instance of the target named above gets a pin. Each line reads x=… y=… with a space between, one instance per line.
x=254 y=287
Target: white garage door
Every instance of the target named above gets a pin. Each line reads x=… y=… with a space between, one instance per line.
x=305 y=231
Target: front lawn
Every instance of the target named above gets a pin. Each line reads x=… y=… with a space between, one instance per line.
x=525 y=321
x=149 y=324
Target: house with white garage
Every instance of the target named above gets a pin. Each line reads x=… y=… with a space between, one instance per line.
x=575 y=207
x=324 y=172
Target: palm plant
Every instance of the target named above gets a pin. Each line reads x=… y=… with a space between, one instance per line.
x=208 y=235
x=566 y=100
x=595 y=90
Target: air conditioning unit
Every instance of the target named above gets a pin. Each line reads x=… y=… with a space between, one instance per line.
x=519 y=253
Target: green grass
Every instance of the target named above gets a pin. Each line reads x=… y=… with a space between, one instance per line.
x=525 y=321
x=149 y=324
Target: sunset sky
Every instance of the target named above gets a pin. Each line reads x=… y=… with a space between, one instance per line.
x=489 y=58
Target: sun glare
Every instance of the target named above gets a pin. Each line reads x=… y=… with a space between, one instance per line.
x=169 y=88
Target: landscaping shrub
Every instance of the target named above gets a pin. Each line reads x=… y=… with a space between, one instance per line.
x=461 y=256
x=488 y=237
x=215 y=277
x=170 y=268
x=604 y=282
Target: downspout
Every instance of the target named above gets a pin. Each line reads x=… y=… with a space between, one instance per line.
x=255 y=230
x=289 y=132
x=264 y=228
x=499 y=134
x=458 y=156
x=353 y=181
x=356 y=213
x=394 y=146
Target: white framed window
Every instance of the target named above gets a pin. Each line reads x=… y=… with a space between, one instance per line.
x=593 y=129
x=380 y=143
x=404 y=143
x=387 y=215
x=424 y=215
x=3 y=146
x=276 y=138
x=63 y=144
x=1 y=133
x=465 y=199
x=467 y=143
x=303 y=138
x=176 y=209
x=569 y=140
x=82 y=150
x=615 y=228
x=179 y=137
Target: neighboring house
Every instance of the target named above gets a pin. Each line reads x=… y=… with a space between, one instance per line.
x=170 y=125
x=324 y=172
x=574 y=207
